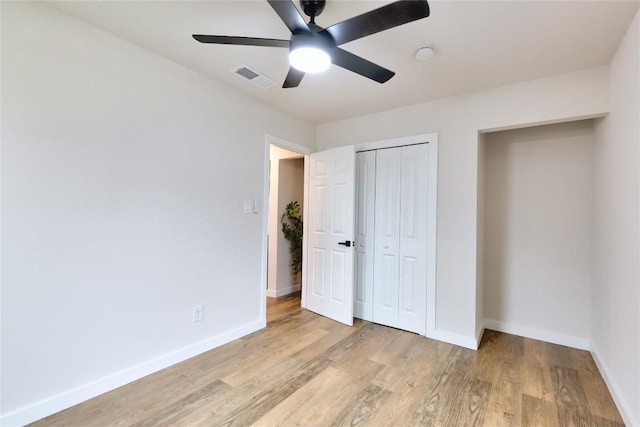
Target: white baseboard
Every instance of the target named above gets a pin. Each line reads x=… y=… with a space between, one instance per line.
x=84 y=392
x=479 y=334
x=614 y=389
x=453 y=338
x=283 y=291
x=538 y=334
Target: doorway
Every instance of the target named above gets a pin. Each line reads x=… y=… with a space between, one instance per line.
x=286 y=185
x=284 y=177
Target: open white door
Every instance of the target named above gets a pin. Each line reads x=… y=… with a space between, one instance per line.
x=330 y=215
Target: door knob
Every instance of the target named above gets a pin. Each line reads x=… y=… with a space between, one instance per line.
x=346 y=243
x=386 y=246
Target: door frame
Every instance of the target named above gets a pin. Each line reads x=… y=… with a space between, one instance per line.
x=432 y=200
x=305 y=151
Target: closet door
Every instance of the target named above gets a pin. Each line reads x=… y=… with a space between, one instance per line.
x=364 y=237
x=413 y=239
x=387 y=233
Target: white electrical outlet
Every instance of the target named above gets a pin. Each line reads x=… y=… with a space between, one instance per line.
x=198 y=313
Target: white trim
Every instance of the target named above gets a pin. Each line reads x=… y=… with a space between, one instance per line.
x=282 y=143
x=282 y=292
x=432 y=206
x=305 y=229
x=479 y=334
x=614 y=389
x=397 y=142
x=542 y=123
x=51 y=405
x=538 y=334
x=453 y=338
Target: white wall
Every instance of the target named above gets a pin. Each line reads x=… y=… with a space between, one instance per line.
x=616 y=278
x=457 y=120
x=123 y=176
x=538 y=232
x=286 y=183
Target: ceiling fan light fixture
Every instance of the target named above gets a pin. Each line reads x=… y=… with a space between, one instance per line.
x=309 y=59
x=312 y=48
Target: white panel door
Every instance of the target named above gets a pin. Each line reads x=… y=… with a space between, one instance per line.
x=364 y=243
x=331 y=205
x=387 y=237
x=413 y=239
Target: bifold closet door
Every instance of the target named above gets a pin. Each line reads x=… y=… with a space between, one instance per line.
x=412 y=301
x=400 y=254
x=364 y=236
x=387 y=237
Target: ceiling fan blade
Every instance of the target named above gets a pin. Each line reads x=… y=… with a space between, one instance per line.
x=289 y=15
x=294 y=77
x=247 y=41
x=383 y=18
x=358 y=65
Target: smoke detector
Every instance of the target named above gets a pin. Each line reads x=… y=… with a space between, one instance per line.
x=424 y=53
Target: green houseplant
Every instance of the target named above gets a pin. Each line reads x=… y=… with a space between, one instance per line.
x=292 y=229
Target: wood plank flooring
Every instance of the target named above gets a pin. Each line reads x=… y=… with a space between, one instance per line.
x=306 y=370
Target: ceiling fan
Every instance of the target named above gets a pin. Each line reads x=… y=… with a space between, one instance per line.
x=313 y=48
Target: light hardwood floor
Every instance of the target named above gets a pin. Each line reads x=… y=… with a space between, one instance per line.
x=304 y=369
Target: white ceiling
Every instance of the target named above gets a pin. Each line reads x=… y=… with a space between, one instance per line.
x=478 y=45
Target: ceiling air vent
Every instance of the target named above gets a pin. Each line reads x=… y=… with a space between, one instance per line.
x=253 y=76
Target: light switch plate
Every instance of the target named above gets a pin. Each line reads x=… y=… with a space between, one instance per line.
x=248 y=206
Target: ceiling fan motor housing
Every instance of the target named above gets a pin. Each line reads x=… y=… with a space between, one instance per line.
x=312 y=8
x=315 y=39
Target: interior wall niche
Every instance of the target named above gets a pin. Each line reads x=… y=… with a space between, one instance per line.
x=537 y=226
